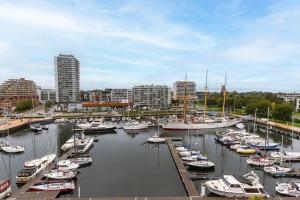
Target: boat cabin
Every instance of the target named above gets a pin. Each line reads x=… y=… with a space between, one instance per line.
x=4 y=185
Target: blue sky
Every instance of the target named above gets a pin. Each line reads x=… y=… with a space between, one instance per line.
x=125 y=43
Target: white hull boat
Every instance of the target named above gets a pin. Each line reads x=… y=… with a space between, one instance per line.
x=286 y=155
x=82 y=161
x=69 y=144
x=156 y=139
x=33 y=168
x=83 y=145
x=202 y=164
x=291 y=189
x=179 y=149
x=67 y=166
x=59 y=175
x=194 y=126
x=5 y=189
x=13 y=149
x=134 y=125
x=277 y=170
x=194 y=158
x=237 y=186
x=62 y=187
x=188 y=153
x=260 y=161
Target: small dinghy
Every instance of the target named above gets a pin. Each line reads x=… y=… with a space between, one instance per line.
x=59 y=175
x=156 y=139
x=260 y=161
x=291 y=189
x=201 y=164
x=67 y=166
x=277 y=170
x=62 y=187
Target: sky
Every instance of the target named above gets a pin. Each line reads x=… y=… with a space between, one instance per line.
x=129 y=42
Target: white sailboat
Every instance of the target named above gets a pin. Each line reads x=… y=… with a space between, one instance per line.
x=156 y=138
x=60 y=175
x=67 y=166
x=12 y=148
x=201 y=164
x=135 y=125
x=291 y=189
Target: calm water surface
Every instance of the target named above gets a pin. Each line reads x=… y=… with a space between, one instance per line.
x=124 y=166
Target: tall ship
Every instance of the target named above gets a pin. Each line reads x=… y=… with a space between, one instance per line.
x=202 y=122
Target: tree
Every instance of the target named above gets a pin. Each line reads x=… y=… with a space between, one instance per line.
x=48 y=104
x=283 y=111
x=23 y=105
x=261 y=106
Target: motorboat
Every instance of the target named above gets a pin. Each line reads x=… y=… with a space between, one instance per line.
x=286 y=155
x=59 y=175
x=201 y=164
x=246 y=150
x=83 y=125
x=237 y=186
x=135 y=125
x=5 y=189
x=82 y=161
x=181 y=149
x=277 y=170
x=35 y=128
x=100 y=127
x=156 y=139
x=188 y=153
x=33 y=168
x=69 y=144
x=291 y=189
x=84 y=144
x=67 y=166
x=235 y=146
x=62 y=187
x=260 y=161
x=13 y=148
x=194 y=157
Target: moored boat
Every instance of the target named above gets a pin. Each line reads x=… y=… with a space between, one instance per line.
x=277 y=170
x=237 y=186
x=201 y=164
x=5 y=188
x=260 y=161
x=62 y=187
x=291 y=189
x=135 y=125
x=59 y=175
x=13 y=149
x=245 y=150
x=66 y=166
x=156 y=139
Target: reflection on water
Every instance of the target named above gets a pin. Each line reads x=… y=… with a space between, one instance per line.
x=122 y=164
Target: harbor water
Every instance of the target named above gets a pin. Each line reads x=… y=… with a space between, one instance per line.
x=125 y=166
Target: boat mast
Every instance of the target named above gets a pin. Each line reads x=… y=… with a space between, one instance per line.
x=293 y=121
x=224 y=96
x=184 y=98
x=205 y=96
x=267 y=138
x=254 y=124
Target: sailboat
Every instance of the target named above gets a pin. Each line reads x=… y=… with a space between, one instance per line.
x=6 y=147
x=291 y=189
x=207 y=123
x=156 y=138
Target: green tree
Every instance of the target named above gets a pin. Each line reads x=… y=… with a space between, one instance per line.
x=23 y=105
x=261 y=106
x=283 y=111
x=48 y=104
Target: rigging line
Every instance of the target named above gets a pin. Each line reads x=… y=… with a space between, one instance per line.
x=5 y=167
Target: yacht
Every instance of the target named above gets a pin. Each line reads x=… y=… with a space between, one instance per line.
x=291 y=189
x=277 y=170
x=33 y=168
x=188 y=153
x=62 y=187
x=100 y=127
x=156 y=139
x=179 y=149
x=5 y=189
x=237 y=186
x=194 y=157
x=67 y=166
x=135 y=125
x=245 y=150
x=35 y=128
x=265 y=146
x=59 y=175
x=71 y=141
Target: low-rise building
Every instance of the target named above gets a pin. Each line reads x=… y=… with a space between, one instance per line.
x=151 y=96
x=184 y=90
x=14 y=90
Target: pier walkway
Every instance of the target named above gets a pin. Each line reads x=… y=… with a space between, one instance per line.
x=187 y=182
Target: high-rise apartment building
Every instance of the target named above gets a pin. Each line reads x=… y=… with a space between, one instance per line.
x=46 y=95
x=183 y=89
x=121 y=95
x=14 y=90
x=67 y=78
x=151 y=96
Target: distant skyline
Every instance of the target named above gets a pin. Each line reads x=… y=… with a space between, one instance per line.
x=122 y=43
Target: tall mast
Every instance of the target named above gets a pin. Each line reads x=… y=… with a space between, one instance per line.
x=205 y=95
x=293 y=120
x=184 y=98
x=224 y=96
